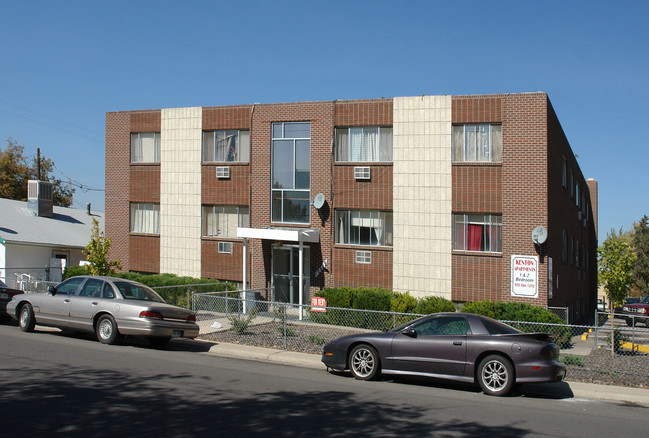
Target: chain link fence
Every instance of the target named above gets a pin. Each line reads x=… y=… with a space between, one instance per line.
x=592 y=353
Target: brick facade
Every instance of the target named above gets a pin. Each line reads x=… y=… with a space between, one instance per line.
x=525 y=188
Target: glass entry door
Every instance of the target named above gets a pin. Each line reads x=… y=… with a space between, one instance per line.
x=286 y=274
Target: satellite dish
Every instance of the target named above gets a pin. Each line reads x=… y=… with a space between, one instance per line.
x=539 y=235
x=319 y=201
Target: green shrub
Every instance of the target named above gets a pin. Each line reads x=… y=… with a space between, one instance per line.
x=428 y=305
x=73 y=271
x=524 y=312
x=403 y=303
x=241 y=322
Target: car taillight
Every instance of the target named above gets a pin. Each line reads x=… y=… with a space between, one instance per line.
x=550 y=351
x=191 y=318
x=150 y=314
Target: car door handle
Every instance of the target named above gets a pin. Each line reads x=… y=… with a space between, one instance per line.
x=457 y=342
x=94 y=303
x=67 y=300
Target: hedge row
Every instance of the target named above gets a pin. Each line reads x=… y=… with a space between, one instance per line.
x=523 y=312
x=161 y=283
x=377 y=299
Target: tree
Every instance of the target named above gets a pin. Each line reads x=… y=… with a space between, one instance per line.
x=97 y=252
x=16 y=170
x=641 y=249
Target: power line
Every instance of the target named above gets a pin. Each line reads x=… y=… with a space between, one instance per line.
x=49 y=126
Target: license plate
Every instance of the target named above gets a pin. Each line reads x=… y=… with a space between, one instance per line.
x=177 y=334
x=4 y=295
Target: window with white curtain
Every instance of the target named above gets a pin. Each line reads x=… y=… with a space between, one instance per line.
x=477 y=232
x=364 y=144
x=477 y=143
x=223 y=220
x=145 y=147
x=145 y=218
x=226 y=146
x=364 y=227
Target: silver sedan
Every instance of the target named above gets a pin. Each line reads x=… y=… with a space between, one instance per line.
x=110 y=307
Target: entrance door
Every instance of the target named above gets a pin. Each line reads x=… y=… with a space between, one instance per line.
x=286 y=274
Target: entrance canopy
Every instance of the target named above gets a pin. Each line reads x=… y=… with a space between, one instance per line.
x=307 y=235
x=284 y=235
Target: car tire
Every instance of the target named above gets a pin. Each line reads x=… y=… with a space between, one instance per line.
x=26 y=319
x=106 y=330
x=364 y=362
x=159 y=341
x=629 y=322
x=495 y=375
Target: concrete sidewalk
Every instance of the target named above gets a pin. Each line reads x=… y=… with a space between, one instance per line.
x=564 y=390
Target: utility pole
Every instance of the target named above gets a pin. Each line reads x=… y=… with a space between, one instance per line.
x=38 y=160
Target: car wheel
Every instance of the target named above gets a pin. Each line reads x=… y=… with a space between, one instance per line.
x=158 y=341
x=364 y=362
x=629 y=322
x=26 y=319
x=495 y=375
x=106 y=330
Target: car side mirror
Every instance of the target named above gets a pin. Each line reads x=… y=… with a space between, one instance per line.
x=411 y=333
x=51 y=290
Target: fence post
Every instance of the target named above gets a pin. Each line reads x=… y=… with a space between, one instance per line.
x=285 y=317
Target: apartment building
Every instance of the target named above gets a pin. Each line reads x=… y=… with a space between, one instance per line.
x=465 y=197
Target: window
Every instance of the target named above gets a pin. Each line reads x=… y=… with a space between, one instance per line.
x=223 y=146
x=364 y=257
x=223 y=220
x=443 y=326
x=145 y=147
x=564 y=173
x=477 y=143
x=364 y=227
x=291 y=172
x=564 y=236
x=145 y=218
x=370 y=143
x=477 y=232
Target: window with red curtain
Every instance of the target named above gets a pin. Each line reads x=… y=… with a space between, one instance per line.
x=474 y=237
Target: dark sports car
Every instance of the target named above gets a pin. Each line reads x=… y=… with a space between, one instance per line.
x=6 y=294
x=454 y=346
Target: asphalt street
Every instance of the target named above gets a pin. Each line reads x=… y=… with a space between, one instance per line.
x=59 y=384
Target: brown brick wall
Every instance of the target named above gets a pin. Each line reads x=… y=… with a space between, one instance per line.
x=231 y=191
x=477 y=188
x=363 y=112
x=321 y=116
x=520 y=179
x=118 y=128
x=352 y=274
x=144 y=253
x=144 y=183
x=125 y=183
x=573 y=286
x=226 y=117
x=375 y=193
x=476 y=277
x=477 y=109
x=227 y=267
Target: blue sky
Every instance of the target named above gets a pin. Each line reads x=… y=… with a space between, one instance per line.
x=67 y=63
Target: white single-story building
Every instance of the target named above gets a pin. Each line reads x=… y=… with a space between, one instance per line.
x=38 y=240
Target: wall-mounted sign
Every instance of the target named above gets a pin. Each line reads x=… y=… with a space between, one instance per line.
x=525 y=276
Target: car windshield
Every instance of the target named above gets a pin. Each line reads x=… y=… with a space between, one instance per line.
x=2 y=283
x=645 y=300
x=132 y=291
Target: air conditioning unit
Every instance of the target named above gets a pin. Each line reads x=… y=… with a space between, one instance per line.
x=225 y=247
x=361 y=173
x=364 y=257
x=223 y=172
